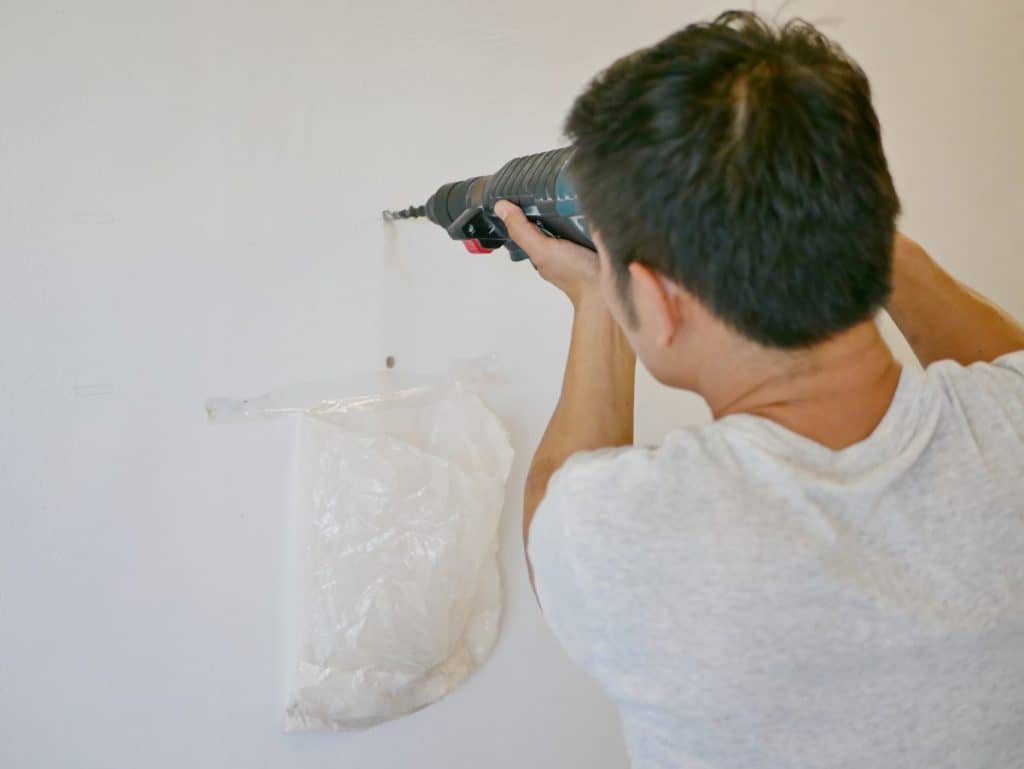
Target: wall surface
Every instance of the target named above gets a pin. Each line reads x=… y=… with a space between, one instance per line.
x=189 y=203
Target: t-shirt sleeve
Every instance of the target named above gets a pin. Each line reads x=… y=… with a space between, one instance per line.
x=988 y=396
x=566 y=546
x=1012 y=363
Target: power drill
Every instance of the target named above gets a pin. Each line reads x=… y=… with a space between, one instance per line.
x=538 y=184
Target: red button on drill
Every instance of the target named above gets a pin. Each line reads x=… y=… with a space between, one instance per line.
x=474 y=247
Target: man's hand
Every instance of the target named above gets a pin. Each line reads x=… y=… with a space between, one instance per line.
x=571 y=267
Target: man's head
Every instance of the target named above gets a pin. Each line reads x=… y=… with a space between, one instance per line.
x=735 y=170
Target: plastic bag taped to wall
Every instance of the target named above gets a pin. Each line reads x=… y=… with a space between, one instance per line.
x=398 y=492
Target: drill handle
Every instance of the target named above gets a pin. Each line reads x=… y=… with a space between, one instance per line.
x=515 y=253
x=482 y=225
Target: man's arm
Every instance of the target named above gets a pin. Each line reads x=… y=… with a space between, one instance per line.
x=595 y=408
x=941 y=317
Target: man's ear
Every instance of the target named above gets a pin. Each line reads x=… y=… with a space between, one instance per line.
x=656 y=300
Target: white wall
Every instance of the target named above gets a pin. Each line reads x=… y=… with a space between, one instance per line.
x=189 y=202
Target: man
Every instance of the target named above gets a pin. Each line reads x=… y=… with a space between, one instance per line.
x=831 y=574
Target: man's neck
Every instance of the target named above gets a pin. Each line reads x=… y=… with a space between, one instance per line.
x=835 y=393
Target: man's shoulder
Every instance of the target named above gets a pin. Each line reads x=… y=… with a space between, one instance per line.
x=606 y=511
x=592 y=483
x=612 y=485
x=626 y=465
x=601 y=508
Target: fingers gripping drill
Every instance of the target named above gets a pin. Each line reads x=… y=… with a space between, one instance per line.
x=538 y=184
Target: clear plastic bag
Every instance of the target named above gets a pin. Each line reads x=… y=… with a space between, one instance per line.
x=398 y=495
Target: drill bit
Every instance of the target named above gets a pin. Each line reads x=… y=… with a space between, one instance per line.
x=412 y=212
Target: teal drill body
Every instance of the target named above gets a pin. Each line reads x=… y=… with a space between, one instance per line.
x=539 y=184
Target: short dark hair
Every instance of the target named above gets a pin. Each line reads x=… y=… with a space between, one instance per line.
x=743 y=160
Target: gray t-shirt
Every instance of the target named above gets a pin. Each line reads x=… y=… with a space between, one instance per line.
x=753 y=600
